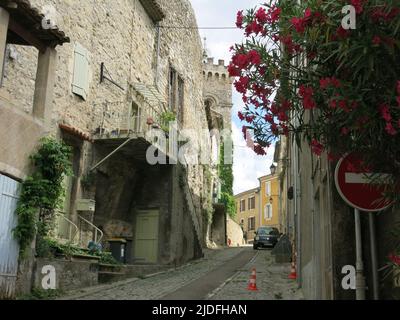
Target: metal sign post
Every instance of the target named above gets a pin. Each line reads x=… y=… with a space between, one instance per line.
x=353 y=184
x=360 y=279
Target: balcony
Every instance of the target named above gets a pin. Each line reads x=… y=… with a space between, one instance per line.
x=130 y=125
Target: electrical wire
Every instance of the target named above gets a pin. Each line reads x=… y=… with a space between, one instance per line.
x=198 y=28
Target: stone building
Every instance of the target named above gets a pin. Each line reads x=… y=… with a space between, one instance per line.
x=217 y=92
x=124 y=68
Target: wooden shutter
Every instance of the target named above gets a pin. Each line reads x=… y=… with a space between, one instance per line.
x=80 y=82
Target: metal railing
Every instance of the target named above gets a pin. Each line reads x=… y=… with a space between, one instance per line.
x=123 y=119
x=95 y=232
x=65 y=229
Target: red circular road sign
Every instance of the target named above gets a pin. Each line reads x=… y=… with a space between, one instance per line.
x=352 y=183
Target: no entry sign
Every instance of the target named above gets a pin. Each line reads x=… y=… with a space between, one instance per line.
x=352 y=183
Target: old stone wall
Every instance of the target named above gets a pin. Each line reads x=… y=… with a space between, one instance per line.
x=234 y=233
x=121 y=35
x=70 y=275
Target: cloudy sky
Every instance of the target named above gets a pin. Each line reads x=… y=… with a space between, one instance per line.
x=222 y=13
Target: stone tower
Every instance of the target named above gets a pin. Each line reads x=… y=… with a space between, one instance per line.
x=217 y=93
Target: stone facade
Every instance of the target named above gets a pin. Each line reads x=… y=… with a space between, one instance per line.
x=144 y=59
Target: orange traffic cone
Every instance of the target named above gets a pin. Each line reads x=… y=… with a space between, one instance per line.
x=252 y=283
x=293 y=274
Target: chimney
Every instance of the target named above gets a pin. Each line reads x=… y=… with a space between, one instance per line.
x=221 y=62
x=210 y=60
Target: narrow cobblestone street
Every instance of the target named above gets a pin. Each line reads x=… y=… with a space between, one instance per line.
x=215 y=277
x=272 y=282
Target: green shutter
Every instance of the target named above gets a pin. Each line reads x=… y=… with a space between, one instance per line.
x=80 y=83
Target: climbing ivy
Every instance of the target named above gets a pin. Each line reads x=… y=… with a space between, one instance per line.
x=226 y=177
x=41 y=192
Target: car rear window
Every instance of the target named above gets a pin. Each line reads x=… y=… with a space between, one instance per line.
x=268 y=231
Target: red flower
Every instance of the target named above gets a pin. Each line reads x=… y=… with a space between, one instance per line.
x=259 y=150
x=298 y=24
x=261 y=15
x=269 y=118
x=254 y=27
x=395 y=259
x=324 y=83
x=250 y=118
x=241 y=84
x=390 y=129
x=241 y=116
x=385 y=112
x=398 y=87
x=274 y=14
x=239 y=19
x=240 y=60
x=233 y=71
x=342 y=33
x=254 y=57
x=316 y=147
x=307 y=94
x=358 y=5
x=376 y=40
x=345 y=131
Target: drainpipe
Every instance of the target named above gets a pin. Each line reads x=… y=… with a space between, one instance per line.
x=360 y=279
x=374 y=256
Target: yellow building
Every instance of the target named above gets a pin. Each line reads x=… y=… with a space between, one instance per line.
x=248 y=212
x=270 y=200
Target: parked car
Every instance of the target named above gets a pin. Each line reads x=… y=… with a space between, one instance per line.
x=266 y=237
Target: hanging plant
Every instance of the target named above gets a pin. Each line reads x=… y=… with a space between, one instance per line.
x=301 y=74
x=41 y=192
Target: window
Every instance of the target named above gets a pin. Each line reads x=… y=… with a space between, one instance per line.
x=268 y=188
x=242 y=205
x=172 y=89
x=268 y=212
x=80 y=81
x=252 y=224
x=181 y=96
x=176 y=93
x=252 y=203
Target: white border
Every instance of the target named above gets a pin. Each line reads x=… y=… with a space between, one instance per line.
x=343 y=196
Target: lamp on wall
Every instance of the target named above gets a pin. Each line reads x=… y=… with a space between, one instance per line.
x=271 y=200
x=273 y=169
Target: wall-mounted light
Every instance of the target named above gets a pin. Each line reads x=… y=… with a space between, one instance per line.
x=273 y=169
